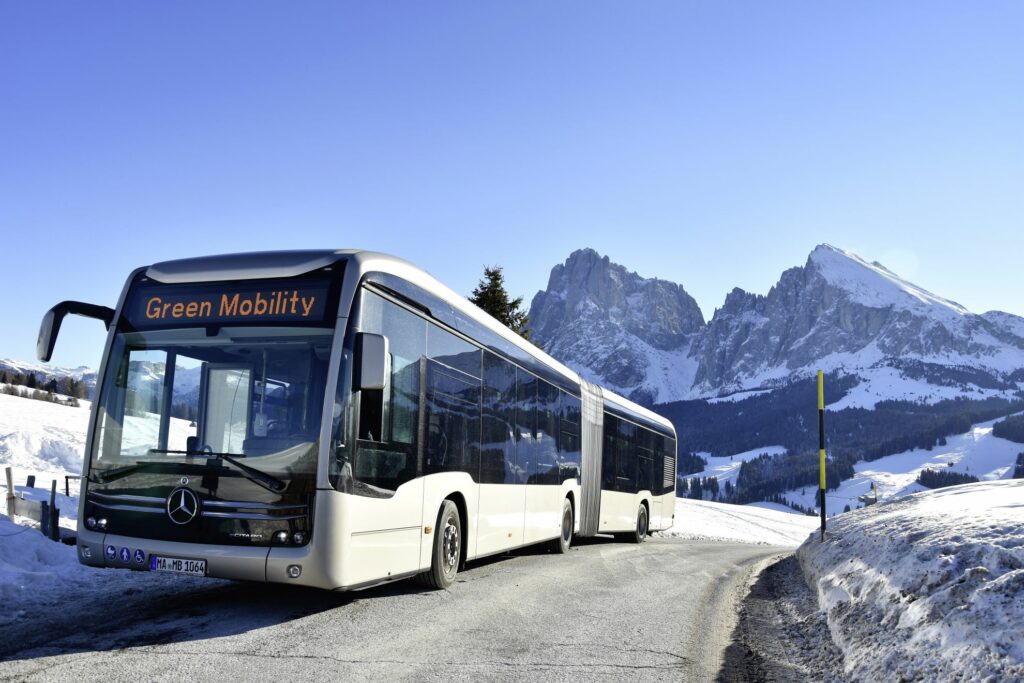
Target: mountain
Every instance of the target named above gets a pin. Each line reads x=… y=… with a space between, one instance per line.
x=186 y=380
x=838 y=312
x=627 y=332
x=46 y=372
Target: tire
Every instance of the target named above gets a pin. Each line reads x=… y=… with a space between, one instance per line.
x=640 y=533
x=562 y=544
x=447 y=552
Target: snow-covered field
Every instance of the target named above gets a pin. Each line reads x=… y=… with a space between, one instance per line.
x=927 y=587
x=38 y=437
x=885 y=383
x=978 y=452
x=703 y=520
x=46 y=440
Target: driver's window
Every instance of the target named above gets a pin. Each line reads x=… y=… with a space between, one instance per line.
x=389 y=423
x=228 y=399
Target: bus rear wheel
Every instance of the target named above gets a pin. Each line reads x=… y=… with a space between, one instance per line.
x=447 y=552
x=640 y=533
x=562 y=544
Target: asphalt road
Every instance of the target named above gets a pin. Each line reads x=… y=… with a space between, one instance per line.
x=663 y=610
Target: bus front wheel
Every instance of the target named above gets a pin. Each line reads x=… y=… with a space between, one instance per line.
x=447 y=552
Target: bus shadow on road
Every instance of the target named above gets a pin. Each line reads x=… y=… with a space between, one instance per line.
x=138 y=618
x=145 y=617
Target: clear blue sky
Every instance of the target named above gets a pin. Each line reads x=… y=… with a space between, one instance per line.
x=712 y=143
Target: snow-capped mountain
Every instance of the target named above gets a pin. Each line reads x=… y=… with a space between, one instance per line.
x=612 y=325
x=837 y=312
x=186 y=380
x=46 y=372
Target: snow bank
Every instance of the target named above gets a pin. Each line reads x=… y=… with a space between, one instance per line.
x=927 y=587
x=703 y=520
x=34 y=569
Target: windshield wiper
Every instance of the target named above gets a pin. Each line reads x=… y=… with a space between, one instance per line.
x=260 y=477
x=108 y=475
x=265 y=480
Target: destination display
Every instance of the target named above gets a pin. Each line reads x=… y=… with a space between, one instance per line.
x=256 y=302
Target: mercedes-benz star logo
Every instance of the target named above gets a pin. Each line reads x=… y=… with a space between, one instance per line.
x=182 y=505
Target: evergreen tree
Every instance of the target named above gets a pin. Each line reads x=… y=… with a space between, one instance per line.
x=492 y=296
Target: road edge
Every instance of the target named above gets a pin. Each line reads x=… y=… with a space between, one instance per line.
x=780 y=632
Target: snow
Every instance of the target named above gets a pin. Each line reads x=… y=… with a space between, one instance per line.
x=33 y=567
x=978 y=452
x=43 y=438
x=885 y=383
x=738 y=396
x=1006 y=321
x=926 y=587
x=727 y=468
x=704 y=520
x=872 y=284
x=41 y=577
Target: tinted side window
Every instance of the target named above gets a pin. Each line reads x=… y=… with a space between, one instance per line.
x=610 y=448
x=658 y=449
x=544 y=469
x=526 y=423
x=452 y=438
x=569 y=440
x=625 y=458
x=498 y=446
x=645 y=461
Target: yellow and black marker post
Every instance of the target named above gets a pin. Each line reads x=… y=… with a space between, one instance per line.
x=821 y=448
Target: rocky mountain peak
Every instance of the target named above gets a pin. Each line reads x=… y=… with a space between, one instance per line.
x=646 y=337
x=612 y=324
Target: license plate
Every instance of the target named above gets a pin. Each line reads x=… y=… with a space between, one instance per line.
x=178 y=565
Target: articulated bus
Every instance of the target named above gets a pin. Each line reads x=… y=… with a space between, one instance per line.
x=340 y=419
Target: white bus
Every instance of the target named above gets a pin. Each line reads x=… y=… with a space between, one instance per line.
x=341 y=419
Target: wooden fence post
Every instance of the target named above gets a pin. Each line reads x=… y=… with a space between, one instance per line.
x=10 y=492
x=54 y=531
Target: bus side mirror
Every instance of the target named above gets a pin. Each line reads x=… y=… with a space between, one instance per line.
x=374 y=361
x=50 y=326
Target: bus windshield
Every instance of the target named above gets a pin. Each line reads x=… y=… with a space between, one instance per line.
x=189 y=395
